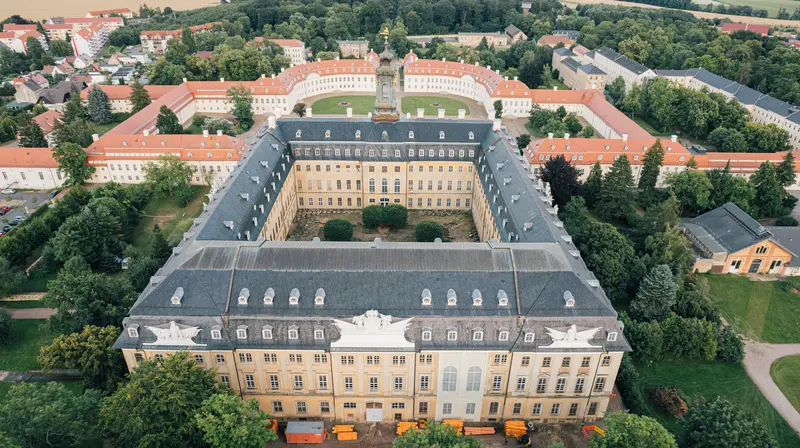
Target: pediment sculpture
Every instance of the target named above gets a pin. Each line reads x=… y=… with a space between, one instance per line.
x=174 y=334
x=572 y=338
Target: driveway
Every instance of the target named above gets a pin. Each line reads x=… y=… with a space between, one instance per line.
x=28 y=199
x=31 y=313
x=758 y=358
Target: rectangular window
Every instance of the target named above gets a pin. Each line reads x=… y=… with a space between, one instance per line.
x=500 y=359
x=561 y=383
x=585 y=361
x=546 y=361
x=425 y=359
x=447 y=408
x=537 y=409
x=398 y=405
x=493 y=407
x=225 y=379
x=521 y=383
x=348 y=360
x=541 y=386
x=398 y=360
x=470 y=409
x=373 y=360
x=573 y=409
x=301 y=407
x=245 y=357
x=423 y=407
x=424 y=382
x=516 y=409
x=592 y=408
x=273 y=382
x=277 y=407
x=606 y=361
x=324 y=407
x=220 y=359
x=271 y=358
x=497 y=382
x=565 y=362
x=250 y=381
x=600 y=384
x=398 y=384
x=323 y=382
x=349 y=405
x=579 y=385
x=526 y=361
x=321 y=358
x=348 y=383
x=298 y=382
x=555 y=408
x=373 y=384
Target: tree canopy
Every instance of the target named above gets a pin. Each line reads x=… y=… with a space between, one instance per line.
x=227 y=421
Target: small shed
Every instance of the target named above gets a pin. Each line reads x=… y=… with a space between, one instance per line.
x=305 y=432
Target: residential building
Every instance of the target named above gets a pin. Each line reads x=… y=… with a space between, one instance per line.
x=29 y=168
x=570 y=34
x=122 y=12
x=729 y=28
x=79 y=23
x=20 y=43
x=497 y=39
x=59 y=31
x=789 y=239
x=90 y=41
x=155 y=41
x=123 y=76
x=7 y=38
x=514 y=34
x=355 y=48
x=294 y=49
x=728 y=241
x=575 y=75
x=19 y=30
x=47 y=121
x=52 y=97
x=119 y=96
x=616 y=65
x=552 y=40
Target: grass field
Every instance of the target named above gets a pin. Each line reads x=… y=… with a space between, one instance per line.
x=22 y=304
x=361 y=104
x=647 y=127
x=23 y=348
x=172 y=220
x=410 y=104
x=772 y=6
x=699 y=380
x=761 y=310
x=786 y=374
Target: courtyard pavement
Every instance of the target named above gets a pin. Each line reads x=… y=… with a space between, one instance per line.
x=758 y=358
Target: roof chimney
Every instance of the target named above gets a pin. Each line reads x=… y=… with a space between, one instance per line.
x=566 y=136
x=205 y=133
x=496 y=124
x=309 y=113
x=221 y=79
x=146 y=133
x=184 y=79
x=555 y=88
x=674 y=138
x=271 y=122
x=219 y=132
x=516 y=78
x=624 y=137
x=95 y=137
x=549 y=135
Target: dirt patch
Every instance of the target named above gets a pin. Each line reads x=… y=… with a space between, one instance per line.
x=308 y=224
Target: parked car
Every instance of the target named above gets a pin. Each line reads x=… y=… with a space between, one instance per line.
x=54 y=193
x=8 y=191
x=5 y=209
x=6 y=229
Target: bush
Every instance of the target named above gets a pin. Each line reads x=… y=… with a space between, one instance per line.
x=628 y=384
x=395 y=215
x=730 y=347
x=786 y=221
x=670 y=400
x=338 y=230
x=428 y=231
x=372 y=216
x=6 y=325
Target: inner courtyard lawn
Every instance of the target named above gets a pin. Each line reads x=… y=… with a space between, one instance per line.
x=410 y=104
x=172 y=220
x=361 y=104
x=708 y=380
x=766 y=311
x=786 y=374
x=20 y=353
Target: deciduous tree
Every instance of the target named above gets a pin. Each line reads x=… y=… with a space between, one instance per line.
x=139 y=97
x=630 y=430
x=170 y=178
x=786 y=174
x=72 y=163
x=299 y=109
x=338 y=230
x=227 y=421
x=91 y=352
x=692 y=189
x=721 y=424
x=242 y=106
x=769 y=195
x=498 y=108
x=167 y=122
x=428 y=231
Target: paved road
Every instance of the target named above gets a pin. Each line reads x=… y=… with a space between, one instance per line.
x=31 y=313
x=758 y=358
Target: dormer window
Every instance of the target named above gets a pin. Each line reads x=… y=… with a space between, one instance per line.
x=612 y=336
x=451 y=297
x=294 y=332
x=177 y=296
x=477 y=335
x=298 y=134
x=427 y=335
x=569 y=301
x=241 y=332
x=358 y=134
x=529 y=336
x=452 y=335
x=216 y=332
x=426 y=297
x=319 y=334
x=319 y=297
x=266 y=332
x=328 y=133
x=441 y=135
x=133 y=331
x=410 y=135
x=477 y=298
x=294 y=297
x=502 y=298
x=471 y=135
x=244 y=295
x=503 y=335
x=384 y=136
x=269 y=296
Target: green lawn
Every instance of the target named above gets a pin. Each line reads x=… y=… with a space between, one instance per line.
x=23 y=348
x=172 y=220
x=786 y=374
x=361 y=104
x=21 y=304
x=647 y=127
x=37 y=282
x=534 y=132
x=699 y=380
x=410 y=104
x=761 y=310
x=772 y=6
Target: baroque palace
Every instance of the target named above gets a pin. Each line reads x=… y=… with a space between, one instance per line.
x=514 y=326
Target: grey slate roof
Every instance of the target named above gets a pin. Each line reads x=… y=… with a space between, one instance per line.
x=563 y=51
x=730 y=227
x=344 y=130
x=58 y=94
x=591 y=69
x=788 y=237
x=512 y=30
x=628 y=64
x=572 y=34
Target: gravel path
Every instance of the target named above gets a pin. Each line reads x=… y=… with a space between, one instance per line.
x=758 y=358
x=31 y=313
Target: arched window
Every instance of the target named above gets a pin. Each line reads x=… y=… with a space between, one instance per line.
x=449 y=379
x=474 y=379
x=397 y=185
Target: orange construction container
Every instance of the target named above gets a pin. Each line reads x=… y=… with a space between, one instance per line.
x=305 y=432
x=352 y=435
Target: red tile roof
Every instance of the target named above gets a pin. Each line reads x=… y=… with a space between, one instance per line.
x=16 y=27
x=116 y=92
x=591 y=150
x=110 y=11
x=733 y=27
x=90 y=20
x=287 y=42
x=552 y=40
x=47 y=120
x=28 y=158
x=191 y=147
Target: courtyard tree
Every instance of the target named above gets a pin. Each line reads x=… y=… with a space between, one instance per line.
x=395 y=215
x=167 y=122
x=656 y=295
x=434 y=435
x=91 y=352
x=563 y=179
x=30 y=133
x=49 y=415
x=71 y=160
x=572 y=124
x=614 y=200
x=170 y=178
x=73 y=110
x=157 y=406
x=99 y=106
x=299 y=109
x=498 y=109
x=428 y=231
x=769 y=192
x=721 y=424
x=630 y=430
x=338 y=230
x=615 y=91
x=786 y=174
x=6 y=326
x=523 y=141
x=372 y=216
x=727 y=140
x=593 y=184
x=228 y=421
x=78 y=131
x=139 y=96
x=651 y=166
x=242 y=106
x=692 y=189
x=215 y=124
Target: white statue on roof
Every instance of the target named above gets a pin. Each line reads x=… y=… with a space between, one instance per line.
x=372 y=329
x=174 y=334
x=572 y=338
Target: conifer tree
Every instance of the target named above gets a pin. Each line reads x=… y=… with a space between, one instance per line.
x=615 y=195
x=139 y=98
x=167 y=122
x=656 y=295
x=786 y=170
x=593 y=185
x=99 y=106
x=652 y=162
x=30 y=134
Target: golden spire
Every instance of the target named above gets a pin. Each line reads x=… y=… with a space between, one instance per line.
x=385 y=33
